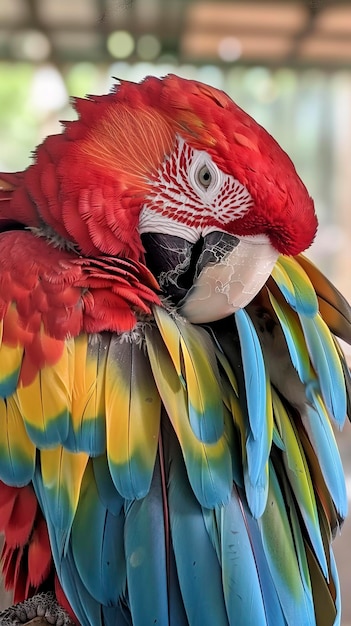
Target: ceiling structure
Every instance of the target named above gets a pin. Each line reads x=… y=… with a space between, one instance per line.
x=274 y=33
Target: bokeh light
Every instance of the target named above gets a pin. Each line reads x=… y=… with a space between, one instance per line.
x=148 y=47
x=31 y=45
x=120 y=44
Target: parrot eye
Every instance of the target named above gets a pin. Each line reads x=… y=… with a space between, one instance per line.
x=204 y=176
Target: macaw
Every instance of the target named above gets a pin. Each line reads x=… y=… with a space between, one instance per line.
x=169 y=373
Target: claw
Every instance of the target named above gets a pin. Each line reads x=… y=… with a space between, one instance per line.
x=40 y=610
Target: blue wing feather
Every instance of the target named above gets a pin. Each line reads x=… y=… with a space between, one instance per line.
x=254 y=373
x=273 y=609
x=104 y=577
x=279 y=549
x=335 y=578
x=195 y=553
x=145 y=555
x=241 y=583
x=86 y=608
x=108 y=494
x=323 y=441
x=327 y=365
x=258 y=438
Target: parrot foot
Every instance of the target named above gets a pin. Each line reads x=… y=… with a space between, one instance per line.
x=41 y=609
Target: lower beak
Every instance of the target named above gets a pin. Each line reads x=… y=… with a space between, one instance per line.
x=212 y=278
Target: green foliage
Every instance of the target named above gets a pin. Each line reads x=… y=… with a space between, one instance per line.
x=18 y=119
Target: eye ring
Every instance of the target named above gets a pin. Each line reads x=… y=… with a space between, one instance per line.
x=204 y=176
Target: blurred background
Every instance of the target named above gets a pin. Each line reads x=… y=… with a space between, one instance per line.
x=287 y=63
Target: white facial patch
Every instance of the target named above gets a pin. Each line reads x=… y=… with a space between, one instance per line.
x=190 y=195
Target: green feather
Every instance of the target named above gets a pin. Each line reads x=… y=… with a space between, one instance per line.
x=299 y=476
x=295 y=285
x=192 y=353
x=208 y=465
x=326 y=363
x=280 y=551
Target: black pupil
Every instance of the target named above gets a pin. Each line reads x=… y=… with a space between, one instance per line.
x=206 y=176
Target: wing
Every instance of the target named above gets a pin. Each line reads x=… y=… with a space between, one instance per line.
x=159 y=451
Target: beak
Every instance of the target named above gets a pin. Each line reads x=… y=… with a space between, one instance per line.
x=212 y=278
x=228 y=277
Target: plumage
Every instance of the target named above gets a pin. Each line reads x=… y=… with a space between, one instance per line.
x=145 y=555
x=321 y=436
x=106 y=582
x=297 y=470
x=295 y=286
x=17 y=451
x=247 y=603
x=283 y=559
x=294 y=338
x=258 y=431
x=132 y=413
x=87 y=424
x=326 y=363
x=46 y=415
x=333 y=307
x=169 y=371
x=208 y=465
x=194 y=549
x=11 y=357
x=191 y=356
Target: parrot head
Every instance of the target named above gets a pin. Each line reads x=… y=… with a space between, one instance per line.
x=174 y=172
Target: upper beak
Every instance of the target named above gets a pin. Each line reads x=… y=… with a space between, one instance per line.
x=214 y=277
x=231 y=280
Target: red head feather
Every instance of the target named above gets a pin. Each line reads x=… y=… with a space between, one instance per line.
x=89 y=183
